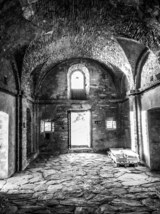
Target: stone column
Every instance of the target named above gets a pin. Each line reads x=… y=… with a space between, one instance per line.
x=139 y=126
x=136 y=125
x=18 y=132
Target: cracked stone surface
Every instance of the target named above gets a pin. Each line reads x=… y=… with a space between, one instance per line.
x=80 y=183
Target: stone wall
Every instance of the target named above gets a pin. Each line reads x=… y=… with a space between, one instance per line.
x=124 y=118
x=54 y=86
x=154 y=137
x=48 y=52
x=102 y=102
x=150 y=99
x=10 y=103
x=103 y=138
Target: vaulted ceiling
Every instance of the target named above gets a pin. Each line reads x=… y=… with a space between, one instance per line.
x=41 y=33
x=22 y=20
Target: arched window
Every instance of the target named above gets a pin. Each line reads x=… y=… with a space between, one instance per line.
x=78 y=91
x=78 y=82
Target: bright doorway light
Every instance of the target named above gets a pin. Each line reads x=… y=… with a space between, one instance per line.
x=132 y=125
x=77 y=80
x=80 y=129
x=145 y=137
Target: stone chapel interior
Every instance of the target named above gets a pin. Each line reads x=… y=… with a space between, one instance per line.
x=78 y=75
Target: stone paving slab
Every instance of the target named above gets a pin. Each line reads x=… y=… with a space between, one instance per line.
x=80 y=183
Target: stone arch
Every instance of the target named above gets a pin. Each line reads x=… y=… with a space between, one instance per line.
x=153 y=137
x=135 y=52
x=49 y=51
x=119 y=79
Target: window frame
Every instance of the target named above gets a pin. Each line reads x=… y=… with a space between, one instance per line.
x=113 y=124
x=42 y=126
x=83 y=69
x=71 y=80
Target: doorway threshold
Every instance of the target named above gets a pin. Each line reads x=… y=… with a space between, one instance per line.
x=80 y=150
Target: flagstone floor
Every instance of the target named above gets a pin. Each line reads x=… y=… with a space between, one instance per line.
x=80 y=183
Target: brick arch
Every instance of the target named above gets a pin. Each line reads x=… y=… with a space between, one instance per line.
x=48 y=50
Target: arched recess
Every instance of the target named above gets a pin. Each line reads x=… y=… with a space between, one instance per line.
x=119 y=78
x=148 y=85
x=50 y=51
x=85 y=78
x=153 y=137
x=104 y=94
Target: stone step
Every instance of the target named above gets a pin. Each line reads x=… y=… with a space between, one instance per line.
x=80 y=150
